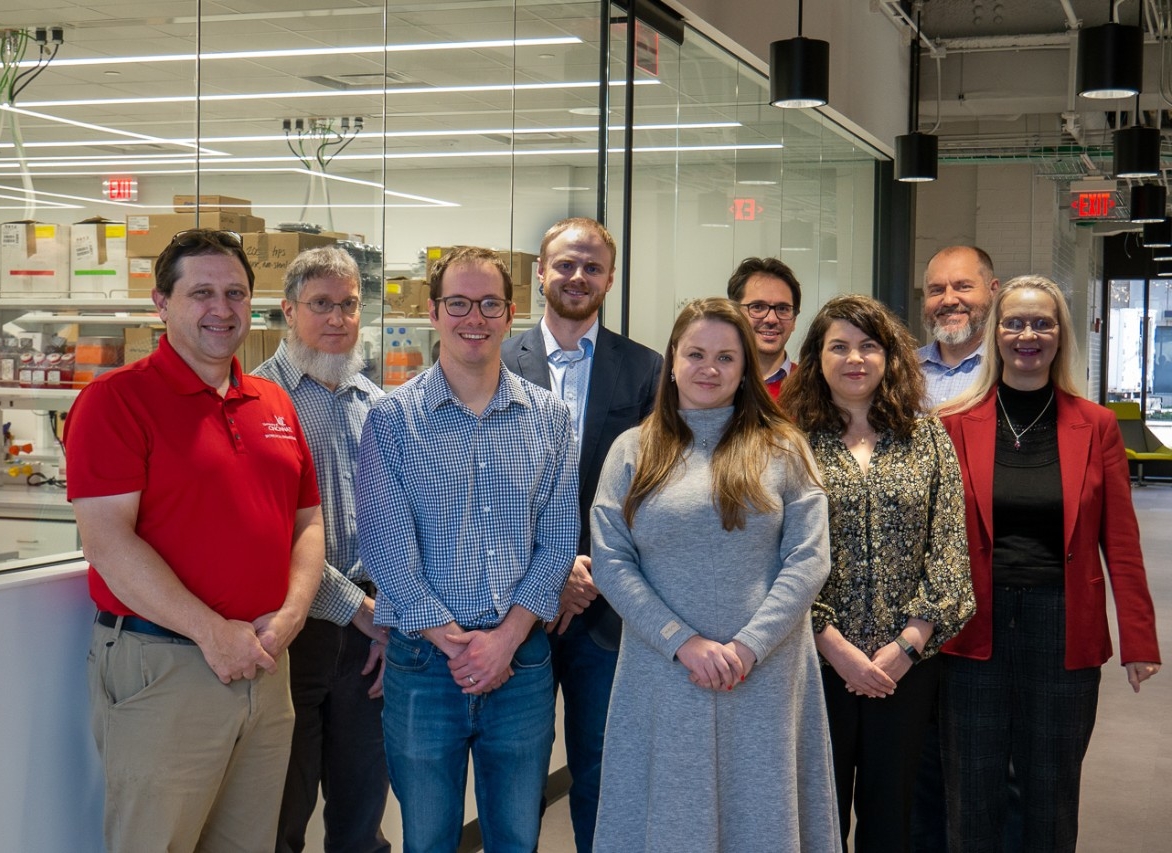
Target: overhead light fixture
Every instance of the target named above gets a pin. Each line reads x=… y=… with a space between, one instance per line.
x=1147 y=203
x=1110 y=61
x=713 y=210
x=1137 y=150
x=799 y=71
x=1164 y=270
x=759 y=174
x=1162 y=254
x=915 y=152
x=1158 y=235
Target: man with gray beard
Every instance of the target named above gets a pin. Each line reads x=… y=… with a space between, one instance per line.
x=958 y=291
x=337 y=696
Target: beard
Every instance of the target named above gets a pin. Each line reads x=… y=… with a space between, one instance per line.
x=327 y=368
x=956 y=337
x=581 y=311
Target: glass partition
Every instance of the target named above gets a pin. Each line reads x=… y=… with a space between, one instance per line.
x=397 y=127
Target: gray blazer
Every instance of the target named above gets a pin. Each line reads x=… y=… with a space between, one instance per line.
x=623 y=382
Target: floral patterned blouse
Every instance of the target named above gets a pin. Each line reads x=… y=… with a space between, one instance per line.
x=897 y=539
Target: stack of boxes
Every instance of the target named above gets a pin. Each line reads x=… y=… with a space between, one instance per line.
x=522 y=267
x=148 y=235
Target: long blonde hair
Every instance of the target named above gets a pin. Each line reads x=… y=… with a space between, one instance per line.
x=992 y=365
x=756 y=433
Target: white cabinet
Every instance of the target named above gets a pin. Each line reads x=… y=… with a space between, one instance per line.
x=23 y=538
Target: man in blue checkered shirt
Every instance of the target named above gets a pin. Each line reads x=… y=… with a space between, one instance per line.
x=958 y=291
x=467 y=499
x=337 y=736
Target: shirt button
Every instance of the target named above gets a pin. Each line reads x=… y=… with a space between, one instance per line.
x=238 y=436
x=492 y=553
x=486 y=509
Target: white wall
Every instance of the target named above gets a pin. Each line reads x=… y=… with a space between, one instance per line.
x=868 y=54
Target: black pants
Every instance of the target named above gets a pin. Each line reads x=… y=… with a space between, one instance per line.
x=337 y=742
x=1021 y=705
x=876 y=744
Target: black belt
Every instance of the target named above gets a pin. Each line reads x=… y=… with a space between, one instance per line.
x=140 y=626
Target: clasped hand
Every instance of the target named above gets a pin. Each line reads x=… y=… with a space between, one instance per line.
x=716 y=666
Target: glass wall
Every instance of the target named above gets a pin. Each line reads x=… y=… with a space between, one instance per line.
x=397 y=128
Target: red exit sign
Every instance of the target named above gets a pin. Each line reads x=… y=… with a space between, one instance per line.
x=746 y=209
x=120 y=188
x=1092 y=205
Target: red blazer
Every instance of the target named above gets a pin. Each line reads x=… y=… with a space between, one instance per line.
x=1097 y=513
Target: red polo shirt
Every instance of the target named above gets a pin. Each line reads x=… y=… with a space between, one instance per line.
x=221 y=478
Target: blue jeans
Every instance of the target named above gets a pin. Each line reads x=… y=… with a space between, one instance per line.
x=585 y=672
x=429 y=727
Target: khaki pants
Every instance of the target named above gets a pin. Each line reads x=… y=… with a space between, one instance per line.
x=191 y=764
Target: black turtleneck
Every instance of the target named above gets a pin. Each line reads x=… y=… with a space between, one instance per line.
x=1027 y=490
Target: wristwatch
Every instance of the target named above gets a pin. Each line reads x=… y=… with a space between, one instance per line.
x=908 y=648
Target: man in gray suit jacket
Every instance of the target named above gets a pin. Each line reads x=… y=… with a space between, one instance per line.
x=609 y=383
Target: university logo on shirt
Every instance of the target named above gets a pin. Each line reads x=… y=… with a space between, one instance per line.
x=278 y=428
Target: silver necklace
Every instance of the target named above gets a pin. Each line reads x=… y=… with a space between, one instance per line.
x=1017 y=434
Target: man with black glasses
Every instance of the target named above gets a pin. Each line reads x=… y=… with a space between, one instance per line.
x=467 y=496
x=198 y=510
x=770 y=295
x=338 y=736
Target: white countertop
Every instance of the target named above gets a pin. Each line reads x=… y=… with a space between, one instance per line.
x=41 y=503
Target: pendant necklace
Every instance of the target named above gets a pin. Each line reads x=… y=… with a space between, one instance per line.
x=1018 y=434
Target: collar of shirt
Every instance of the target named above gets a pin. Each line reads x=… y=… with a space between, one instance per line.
x=930 y=354
x=437 y=392
x=787 y=367
x=183 y=380
x=554 y=351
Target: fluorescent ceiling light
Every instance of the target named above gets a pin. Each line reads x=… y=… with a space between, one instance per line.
x=390 y=134
x=318 y=93
x=309 y=51
x=141 y=137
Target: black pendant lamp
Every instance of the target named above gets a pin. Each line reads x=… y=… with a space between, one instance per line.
x=1158 y=235
x=915 y=152
x=1147 y=203
x=1137 y=150
x=1110 y=60
x=799 y=71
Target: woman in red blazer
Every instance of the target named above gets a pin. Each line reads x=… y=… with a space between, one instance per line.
x=1046 y=487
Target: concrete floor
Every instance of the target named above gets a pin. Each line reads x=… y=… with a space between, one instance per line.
x=1127 y=776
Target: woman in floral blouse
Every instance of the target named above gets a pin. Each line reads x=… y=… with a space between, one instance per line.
x=899 y=581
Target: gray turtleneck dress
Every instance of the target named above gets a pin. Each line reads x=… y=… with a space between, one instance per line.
x=687 y=768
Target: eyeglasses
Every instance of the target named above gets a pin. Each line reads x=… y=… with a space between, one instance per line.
x=321 y=305
x=490 y=307
x=760 y=310
x=1038 y=325
x=193 y=237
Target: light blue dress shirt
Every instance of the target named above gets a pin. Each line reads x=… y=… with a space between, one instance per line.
x=461 y=516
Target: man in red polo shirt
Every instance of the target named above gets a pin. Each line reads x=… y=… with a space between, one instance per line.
x=198 y=510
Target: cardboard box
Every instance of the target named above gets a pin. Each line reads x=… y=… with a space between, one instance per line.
x=34 y=259
x=97 y=258
x=212 y=204
x=522 y=298
x=141 y=276
x=271 y=254
x=522 y=266
x=407 y=296
x=147 y=236
x=139 y=342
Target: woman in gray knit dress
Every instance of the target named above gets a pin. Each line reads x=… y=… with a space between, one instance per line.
x=709 y=540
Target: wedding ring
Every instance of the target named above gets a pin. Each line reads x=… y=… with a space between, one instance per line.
x=472 y=681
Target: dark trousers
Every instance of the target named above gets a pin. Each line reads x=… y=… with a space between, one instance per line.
x=876 y=745
x=1021 y=705
x=585 y=672
x=337 y=743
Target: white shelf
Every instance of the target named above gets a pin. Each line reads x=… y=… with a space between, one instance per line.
x=57 y=399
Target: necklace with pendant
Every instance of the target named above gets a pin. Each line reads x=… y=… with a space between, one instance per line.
x=1017 y=434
